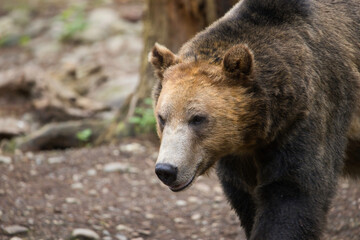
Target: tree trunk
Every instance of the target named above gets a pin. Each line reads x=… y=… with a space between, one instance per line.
x=171 y=23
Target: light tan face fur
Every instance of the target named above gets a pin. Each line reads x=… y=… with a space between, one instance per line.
x=203 y=118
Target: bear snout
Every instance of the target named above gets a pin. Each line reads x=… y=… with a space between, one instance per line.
x=167 y=173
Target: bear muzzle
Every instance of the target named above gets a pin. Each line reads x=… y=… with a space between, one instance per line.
x=167 y=173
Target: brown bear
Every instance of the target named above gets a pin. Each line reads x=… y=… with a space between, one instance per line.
x=269 y=94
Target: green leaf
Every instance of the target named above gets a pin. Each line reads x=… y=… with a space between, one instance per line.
x=84 y=135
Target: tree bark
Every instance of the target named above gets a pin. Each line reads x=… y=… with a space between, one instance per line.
x=171 y=23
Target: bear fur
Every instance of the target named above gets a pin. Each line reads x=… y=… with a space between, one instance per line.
x=269 y=94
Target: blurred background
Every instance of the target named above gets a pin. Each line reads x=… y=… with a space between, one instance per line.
x=77 y=130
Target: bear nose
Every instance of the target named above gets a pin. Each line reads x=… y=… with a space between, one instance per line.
x=167 y=173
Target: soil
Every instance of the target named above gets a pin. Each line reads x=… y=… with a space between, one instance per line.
x=52 y=193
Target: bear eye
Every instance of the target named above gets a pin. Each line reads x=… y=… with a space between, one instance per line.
x=161 y=121
x=197 y=120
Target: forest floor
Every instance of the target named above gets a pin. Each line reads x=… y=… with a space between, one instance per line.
x=109 y=190
x=113 y=191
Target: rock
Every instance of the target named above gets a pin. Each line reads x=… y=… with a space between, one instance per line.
x=33 y=172
x=119 y=167
x=85 y=233
x=15 y=238
x=5 y=160
x=196 y=216
x=120 y=237
x=144 y=232
x=93 y=192
x=77 y=185
x=116 y=152
x=149 y=216
x=181 y=203
x=10 y=127
x=105 y=190
x=39 y=159
x=30 y=155
x=14 y=230
x=122 y=227
x=54 y=160
x=72 y=200
x=179 y=220
x=61 y=135
x=91 y=172
x=76 y=177
x=31 y=221
x=194 y=199
x=132 y=148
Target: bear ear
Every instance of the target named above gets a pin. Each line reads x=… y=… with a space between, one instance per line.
x=162 y=58
x=238 y=62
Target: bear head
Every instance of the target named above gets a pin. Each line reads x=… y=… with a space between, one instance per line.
x=203 y=112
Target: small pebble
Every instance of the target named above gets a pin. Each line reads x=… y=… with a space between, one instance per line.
x=85 y=233
x=54 y=160
x=149 y=216
x=14 y=229
x=77 y=185
x=39 y=159
x=91 y=172
x=30 y=155
x=93 y=192
x=116 y=152
x=132 y=148
x=122 y=227
x=72 y=200
x=179 y=220
x=119 y=167
x=196 y=216
x=193 y=199
x=121 y=237
x=144 y=232
x=5 y=160
x=15 y=238
x=181 y=203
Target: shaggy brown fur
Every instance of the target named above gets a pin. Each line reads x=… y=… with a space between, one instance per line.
x=270 y=93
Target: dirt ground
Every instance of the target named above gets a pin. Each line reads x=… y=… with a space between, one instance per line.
x=52 y=193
